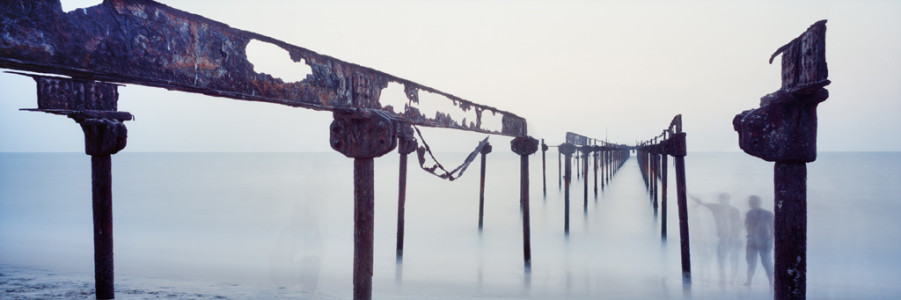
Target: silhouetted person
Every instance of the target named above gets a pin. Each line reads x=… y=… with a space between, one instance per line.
x=728 y=232
x=759 y=223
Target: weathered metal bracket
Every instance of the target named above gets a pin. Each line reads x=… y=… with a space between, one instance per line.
x=363 y=133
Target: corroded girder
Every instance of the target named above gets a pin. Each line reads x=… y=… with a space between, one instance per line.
x=147 y=43
x=576 y=139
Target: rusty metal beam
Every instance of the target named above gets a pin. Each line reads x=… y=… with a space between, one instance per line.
x=576 y=139
x=147 y=43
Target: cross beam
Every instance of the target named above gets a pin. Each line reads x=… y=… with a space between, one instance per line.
x=147 y=43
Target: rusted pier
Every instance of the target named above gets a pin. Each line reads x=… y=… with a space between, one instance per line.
x=363 y=135
x=484 y=152
x=655 y=175
x=642 y=156
x=406 y=144
x=663 y=179
x=146 y=43
x=93 y=105
x=784 y=130
x=586 y=150
x=677 y=148
x=671 y=142
x=606 y=160
x=525 y=146
x=544 y=148
x=595 y=155
x=559 y=166
x=567 y=150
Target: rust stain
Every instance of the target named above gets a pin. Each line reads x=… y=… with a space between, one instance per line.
x=148 y=43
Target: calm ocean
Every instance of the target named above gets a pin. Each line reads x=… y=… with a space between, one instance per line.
x=278 y=223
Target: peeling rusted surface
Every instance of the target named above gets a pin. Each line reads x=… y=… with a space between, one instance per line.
x=784 y=130
x=363 y=134
x=147 y=43
x=75 y=94
x=784 y=127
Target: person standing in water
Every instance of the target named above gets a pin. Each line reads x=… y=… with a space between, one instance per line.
x=728 y=232
x=759 y=223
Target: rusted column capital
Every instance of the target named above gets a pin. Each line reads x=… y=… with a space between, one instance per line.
x=524 y=145
x=487 y=149
x=675 y=145
x=585 y=150
x=783 y=129
x=103 y=136
x=363 y=133
x=406 y=143
x=567 y=148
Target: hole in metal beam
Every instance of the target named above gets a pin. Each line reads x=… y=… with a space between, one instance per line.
x=273 y=60
x=72 y=5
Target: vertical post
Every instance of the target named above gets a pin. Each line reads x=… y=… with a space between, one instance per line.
x=784 y=130
x=525 y=146
x=610 y=167
x=559 y=173
x=363 y=135
x=578 y=168
x=485 y=151
x=544 y=168
x=643 y=162
x=790 y=183
x=567 y=149
x=663 y=178
x=406 y=144
x=585 y=150
x=595 y=153
x=401 y=202
x=603 y=163
x=103 y=137
x=655 y=166
x=363 y=226
x=93 y=105
x=101 y=181
x=677 y=148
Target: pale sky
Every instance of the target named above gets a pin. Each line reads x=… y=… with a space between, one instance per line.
x=620 y=68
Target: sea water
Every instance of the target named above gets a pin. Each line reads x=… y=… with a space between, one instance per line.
x=281 y=224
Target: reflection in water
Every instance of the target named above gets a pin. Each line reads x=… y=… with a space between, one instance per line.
x=399 y=272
